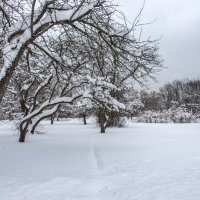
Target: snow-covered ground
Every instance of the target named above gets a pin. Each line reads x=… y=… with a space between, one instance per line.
x=75 y=162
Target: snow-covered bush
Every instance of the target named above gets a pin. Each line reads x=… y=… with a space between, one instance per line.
x=154 y=117
x=173 y=115
x=181 y=115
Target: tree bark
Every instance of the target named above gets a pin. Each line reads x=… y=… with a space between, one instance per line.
x=5 y=81
x=22 y=135
x=23 y=131
x=52 y=119
x=103 y=129
x=58 y=117
x=84 y=119
x=102 y=121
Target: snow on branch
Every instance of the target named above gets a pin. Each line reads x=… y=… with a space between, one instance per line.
x=23 y=33
x=57 y=100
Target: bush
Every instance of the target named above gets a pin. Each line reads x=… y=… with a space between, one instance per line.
x=175 y=115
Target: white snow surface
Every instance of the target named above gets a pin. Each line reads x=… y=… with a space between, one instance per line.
x=75 y=162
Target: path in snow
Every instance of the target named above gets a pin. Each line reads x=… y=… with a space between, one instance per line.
x=74 y=162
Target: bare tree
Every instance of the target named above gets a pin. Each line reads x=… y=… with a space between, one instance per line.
x=35 y=22
x=72 y=50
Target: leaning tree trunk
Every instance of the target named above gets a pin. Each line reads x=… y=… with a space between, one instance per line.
x=34 y=126
x=8 y=73
x=5 y=81
x=22 y=135
x=23 y=130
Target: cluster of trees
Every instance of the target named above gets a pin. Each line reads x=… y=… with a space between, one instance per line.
x=178 y=101
x=69 y=56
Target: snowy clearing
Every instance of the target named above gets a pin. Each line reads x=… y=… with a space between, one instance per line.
x=75 y=162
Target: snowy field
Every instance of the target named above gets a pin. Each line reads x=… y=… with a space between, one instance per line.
x=75 y=162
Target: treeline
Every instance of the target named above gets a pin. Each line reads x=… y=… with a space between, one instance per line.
x=178 y=101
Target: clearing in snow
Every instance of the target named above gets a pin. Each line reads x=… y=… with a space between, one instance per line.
x=75 y=162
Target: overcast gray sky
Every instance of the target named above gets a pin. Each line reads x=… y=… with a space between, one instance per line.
x=178 y=22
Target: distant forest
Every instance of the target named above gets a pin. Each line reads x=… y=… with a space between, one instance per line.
x=178 y=101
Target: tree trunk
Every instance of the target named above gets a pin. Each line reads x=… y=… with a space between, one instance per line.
x=103 y=129
x=84 y=119
x=58 y=117
x=102 y=121
x=111 y=120
x=52 y=119
x=23 y=131
x=5 y=81
x=22 y=135
x=8 y=74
